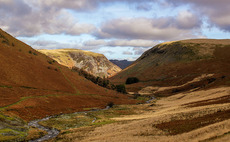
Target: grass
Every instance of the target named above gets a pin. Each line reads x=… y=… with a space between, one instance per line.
x=93 y=118
x=143 y=98
x=215 y=137
x=12 y=129
x=176 y=127
x=35 y=133
x=25 y=98
x=220 y=100
x=5 y=86
x=68 y=121
x=10 y=134
x=71 y=84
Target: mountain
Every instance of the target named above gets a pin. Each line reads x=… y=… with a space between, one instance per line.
x=32 y=85
x=121 y=63
x=176 y=63
x=94 y=63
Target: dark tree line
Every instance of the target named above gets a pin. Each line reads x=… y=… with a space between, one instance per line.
x=103 y=82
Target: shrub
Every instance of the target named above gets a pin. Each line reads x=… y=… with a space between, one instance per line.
x=121 y=88
x=50 y=62
x=110 y=104
x=131 y=80
x=30 y=52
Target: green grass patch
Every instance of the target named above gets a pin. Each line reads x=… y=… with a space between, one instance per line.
x=142 y=98
x=10 y=134
x=94 y=118
x=12 y=129
x=68 y=121
x=104 y=122
x=5 y=86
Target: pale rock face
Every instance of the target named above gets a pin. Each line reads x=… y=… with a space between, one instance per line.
x=93 y=63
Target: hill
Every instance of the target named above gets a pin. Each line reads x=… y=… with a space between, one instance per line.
x=33 y=85
x=121 y=63
x=176 y=63
x=94 y=63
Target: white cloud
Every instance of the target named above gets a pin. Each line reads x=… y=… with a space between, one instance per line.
x=121 y=43
x=140 y=51
x=185 y=25
x=217 y=11
x=127 y=53
x=22 y=20
x=86 y=5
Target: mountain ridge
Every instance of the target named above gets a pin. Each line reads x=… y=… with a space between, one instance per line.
x=122 y=63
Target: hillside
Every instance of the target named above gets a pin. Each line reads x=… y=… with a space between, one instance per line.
x=175 y=63
x=94 y=63
x=121 y=63
x=33 y=86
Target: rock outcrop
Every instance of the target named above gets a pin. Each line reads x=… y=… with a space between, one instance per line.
x=94 y=63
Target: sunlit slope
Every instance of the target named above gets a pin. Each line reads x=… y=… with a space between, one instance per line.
x=93 y=63
x=175 y=63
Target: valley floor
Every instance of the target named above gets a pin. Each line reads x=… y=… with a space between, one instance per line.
x=192 y=116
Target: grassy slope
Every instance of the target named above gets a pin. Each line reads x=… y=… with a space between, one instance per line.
x=174 y=63
x=62 y=55
x=32 y=85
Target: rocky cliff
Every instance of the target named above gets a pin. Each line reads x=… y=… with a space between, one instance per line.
x=93 y=63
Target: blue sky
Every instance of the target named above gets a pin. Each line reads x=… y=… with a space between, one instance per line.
x=119 y=29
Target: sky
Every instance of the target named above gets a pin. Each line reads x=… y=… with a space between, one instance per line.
x=119 y=29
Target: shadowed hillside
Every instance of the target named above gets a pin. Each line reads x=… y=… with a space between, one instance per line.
x=121 y=63
x=175 y=63
x=94 y=63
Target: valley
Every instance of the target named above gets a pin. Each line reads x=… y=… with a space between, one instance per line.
x=114 y=71
x=188 y=80
x=190 y=116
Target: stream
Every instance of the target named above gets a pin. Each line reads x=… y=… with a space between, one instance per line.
x=52 y=133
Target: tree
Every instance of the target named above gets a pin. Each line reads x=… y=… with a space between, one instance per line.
x=131 y=80
x=121 y=88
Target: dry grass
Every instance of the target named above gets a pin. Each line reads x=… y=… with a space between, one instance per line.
x=35 y=133
x=175 y=63
x=176 y=127
x=166 y=120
